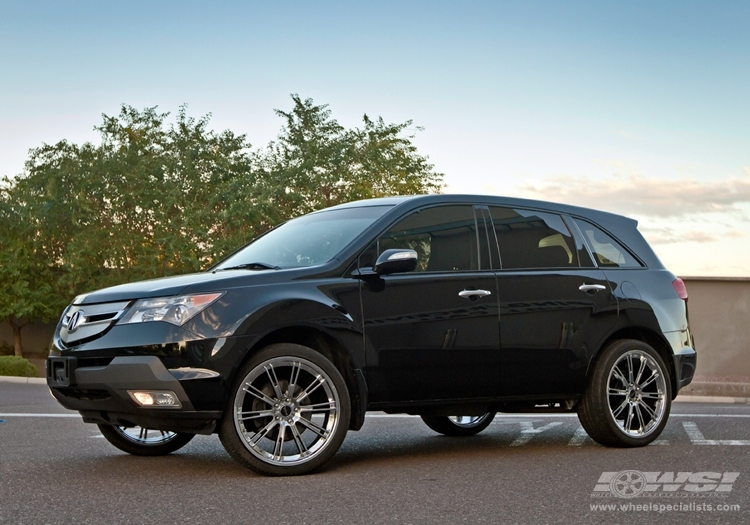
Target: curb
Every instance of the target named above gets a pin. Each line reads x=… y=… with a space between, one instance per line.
x=26 y=380
x=712 y=399
x=717 y=389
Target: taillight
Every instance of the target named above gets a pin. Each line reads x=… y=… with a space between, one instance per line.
x=680 y=288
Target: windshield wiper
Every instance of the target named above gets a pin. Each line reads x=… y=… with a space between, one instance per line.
x=252 y=266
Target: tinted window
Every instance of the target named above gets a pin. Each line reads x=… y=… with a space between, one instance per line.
x=607 y=251
x=444 y=238
x=308 y=240
x=532 y=239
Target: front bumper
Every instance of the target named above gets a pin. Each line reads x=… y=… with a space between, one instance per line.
x=100 y=394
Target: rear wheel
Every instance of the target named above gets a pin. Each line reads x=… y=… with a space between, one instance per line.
x=628 y=397
x=459 y=425
x=289 y=411
x=141 y=441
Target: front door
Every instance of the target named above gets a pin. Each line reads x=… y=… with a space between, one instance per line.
x=433 y=334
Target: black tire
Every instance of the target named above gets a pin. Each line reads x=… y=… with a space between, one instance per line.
x=628 y=396
x=144 y=442
x=459 y=425
x=276 y=430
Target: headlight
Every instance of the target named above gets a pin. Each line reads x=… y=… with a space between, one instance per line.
x=175 y=310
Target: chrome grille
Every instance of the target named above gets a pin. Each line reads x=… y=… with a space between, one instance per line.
x=85 y=321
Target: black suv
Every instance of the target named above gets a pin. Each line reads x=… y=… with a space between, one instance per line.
x=449 y=307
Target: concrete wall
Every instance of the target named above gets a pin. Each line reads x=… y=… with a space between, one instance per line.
x=35 y=337
x=719 y=316
x=719 y=310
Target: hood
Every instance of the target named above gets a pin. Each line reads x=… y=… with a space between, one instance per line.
x=188 y=283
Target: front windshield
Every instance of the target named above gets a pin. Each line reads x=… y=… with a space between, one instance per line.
x=305 y=241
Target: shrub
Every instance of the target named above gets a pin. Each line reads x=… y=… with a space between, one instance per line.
x=6 y=349
x=11 y=365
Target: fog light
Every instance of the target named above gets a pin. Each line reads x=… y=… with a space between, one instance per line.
x=155 y=398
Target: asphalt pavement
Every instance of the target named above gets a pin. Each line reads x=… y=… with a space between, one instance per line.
x=54 y=469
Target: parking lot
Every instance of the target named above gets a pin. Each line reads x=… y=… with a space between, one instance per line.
x=523 y=469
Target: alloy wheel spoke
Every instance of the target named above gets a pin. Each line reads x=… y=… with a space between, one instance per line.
x=322 y=432
x=651 y=379
x=250 y=389
x=620 y=408
x=648 y=410
x=617 y=392
x=653 y=395
x=328 y=406
x=262 y=432
x=278 y=449
x=644 y=361
x=629 y=418
x=618 y=375
x=641 y=423
x=254 y=414
x=318 y=381
x=271 y=373
x=293 y=378
x=629 y=360
x=301 y=447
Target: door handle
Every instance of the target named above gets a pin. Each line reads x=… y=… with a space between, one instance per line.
x=591 y=287
x=473 y=294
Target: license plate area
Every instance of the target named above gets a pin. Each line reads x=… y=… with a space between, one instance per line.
x=61 y=371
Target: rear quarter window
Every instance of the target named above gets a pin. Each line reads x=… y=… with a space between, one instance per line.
x=607 y=252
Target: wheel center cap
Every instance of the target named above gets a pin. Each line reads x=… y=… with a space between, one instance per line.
x=286 y=410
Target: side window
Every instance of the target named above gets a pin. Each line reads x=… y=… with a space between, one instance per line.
x=532 y=239
x=607 y=251
x=444 y=237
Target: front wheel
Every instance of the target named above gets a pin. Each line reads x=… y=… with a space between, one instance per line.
x=459 y=425
x=141 y=441
x=288 y=413
x=628 y=397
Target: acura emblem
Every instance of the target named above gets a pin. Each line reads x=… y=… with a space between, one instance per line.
x=74 y=321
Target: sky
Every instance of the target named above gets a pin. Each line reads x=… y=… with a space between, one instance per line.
x=639 y=108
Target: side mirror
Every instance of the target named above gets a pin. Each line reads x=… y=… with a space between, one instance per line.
x=395 y=261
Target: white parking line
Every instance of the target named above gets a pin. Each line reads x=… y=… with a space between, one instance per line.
x=543 y=415
x=578 y=438
x=696 y=437
x=528 y=431
x=40 y=415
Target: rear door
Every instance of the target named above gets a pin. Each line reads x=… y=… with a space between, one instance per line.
x=555 y=306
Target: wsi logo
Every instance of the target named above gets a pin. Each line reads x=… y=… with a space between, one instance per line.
x=633 y=483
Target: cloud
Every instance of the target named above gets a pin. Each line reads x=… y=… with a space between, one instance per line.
x=667 y=235
x=635 y=194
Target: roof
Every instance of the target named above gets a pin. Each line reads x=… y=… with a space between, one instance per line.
x=497 y=200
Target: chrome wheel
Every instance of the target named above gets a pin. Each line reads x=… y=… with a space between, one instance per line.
x=636 y=392
x=628 y=396
x=459 y=425
x=146 y=436
x=470 y=421
x=141 y=441
x=286 y=411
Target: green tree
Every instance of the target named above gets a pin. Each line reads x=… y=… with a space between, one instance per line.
x=315 y=162
x=27 y=277
x=149 y=201
x=156 y=199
